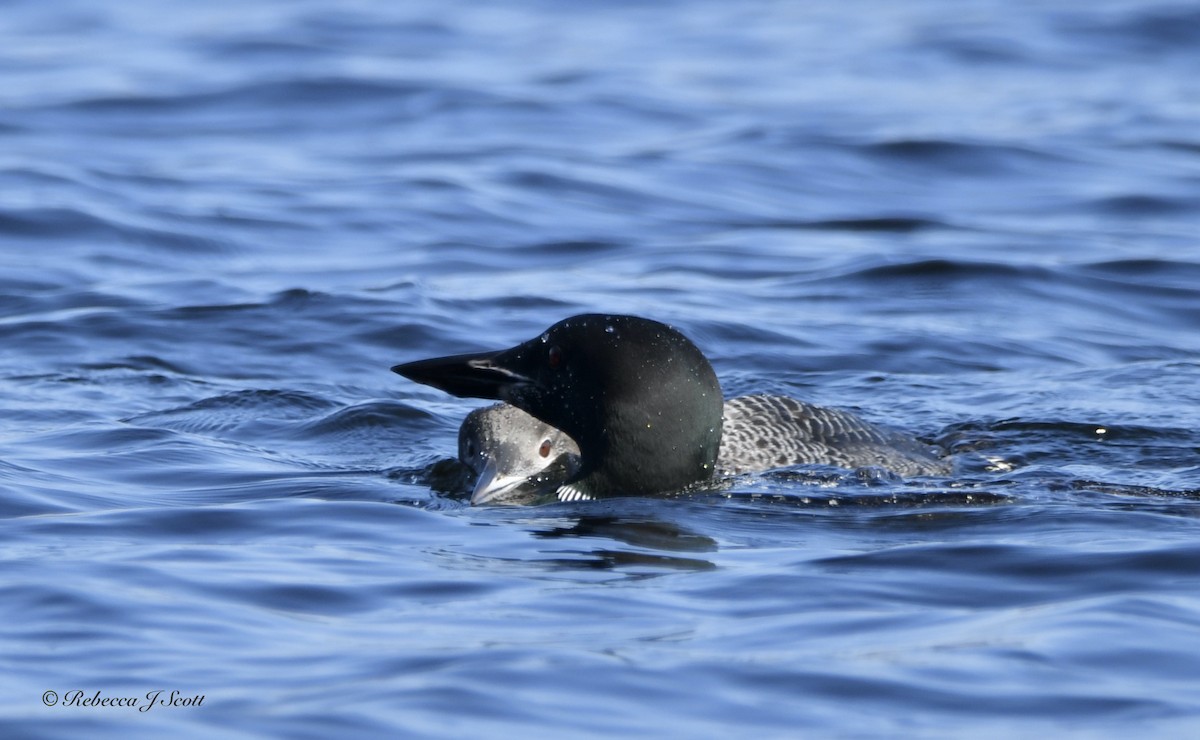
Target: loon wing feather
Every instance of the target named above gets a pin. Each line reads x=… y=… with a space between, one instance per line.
x=764 y=431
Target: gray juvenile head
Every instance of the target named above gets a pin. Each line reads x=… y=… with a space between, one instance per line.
x=517 y=458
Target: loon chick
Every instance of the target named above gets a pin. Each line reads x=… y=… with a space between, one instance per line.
x=645 y=408
x=515 y=457
x=521 y=460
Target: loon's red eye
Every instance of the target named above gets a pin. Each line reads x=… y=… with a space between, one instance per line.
x=554 y=359
x=544 y=450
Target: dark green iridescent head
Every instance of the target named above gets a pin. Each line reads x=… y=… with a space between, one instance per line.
x=638 y=397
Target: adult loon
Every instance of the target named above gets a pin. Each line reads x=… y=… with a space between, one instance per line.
x=519 y=459
x=639 y=399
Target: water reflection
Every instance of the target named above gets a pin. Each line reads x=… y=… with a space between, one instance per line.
x=654 y=539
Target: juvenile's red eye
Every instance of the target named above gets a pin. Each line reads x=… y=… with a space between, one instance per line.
x=554 y=359
x=544 y=450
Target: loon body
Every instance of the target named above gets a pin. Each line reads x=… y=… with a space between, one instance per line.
x=645 y=410
x=764 y=432
x=519 y=459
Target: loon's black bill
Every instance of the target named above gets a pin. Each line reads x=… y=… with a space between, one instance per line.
x=465 y=376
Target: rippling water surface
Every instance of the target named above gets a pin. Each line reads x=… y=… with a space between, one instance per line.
x=221 y=223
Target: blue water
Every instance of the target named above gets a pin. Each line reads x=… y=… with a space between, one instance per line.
x=222 y=222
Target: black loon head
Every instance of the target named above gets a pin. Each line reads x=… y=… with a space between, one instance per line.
x=638 y=397
x=518 y=459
